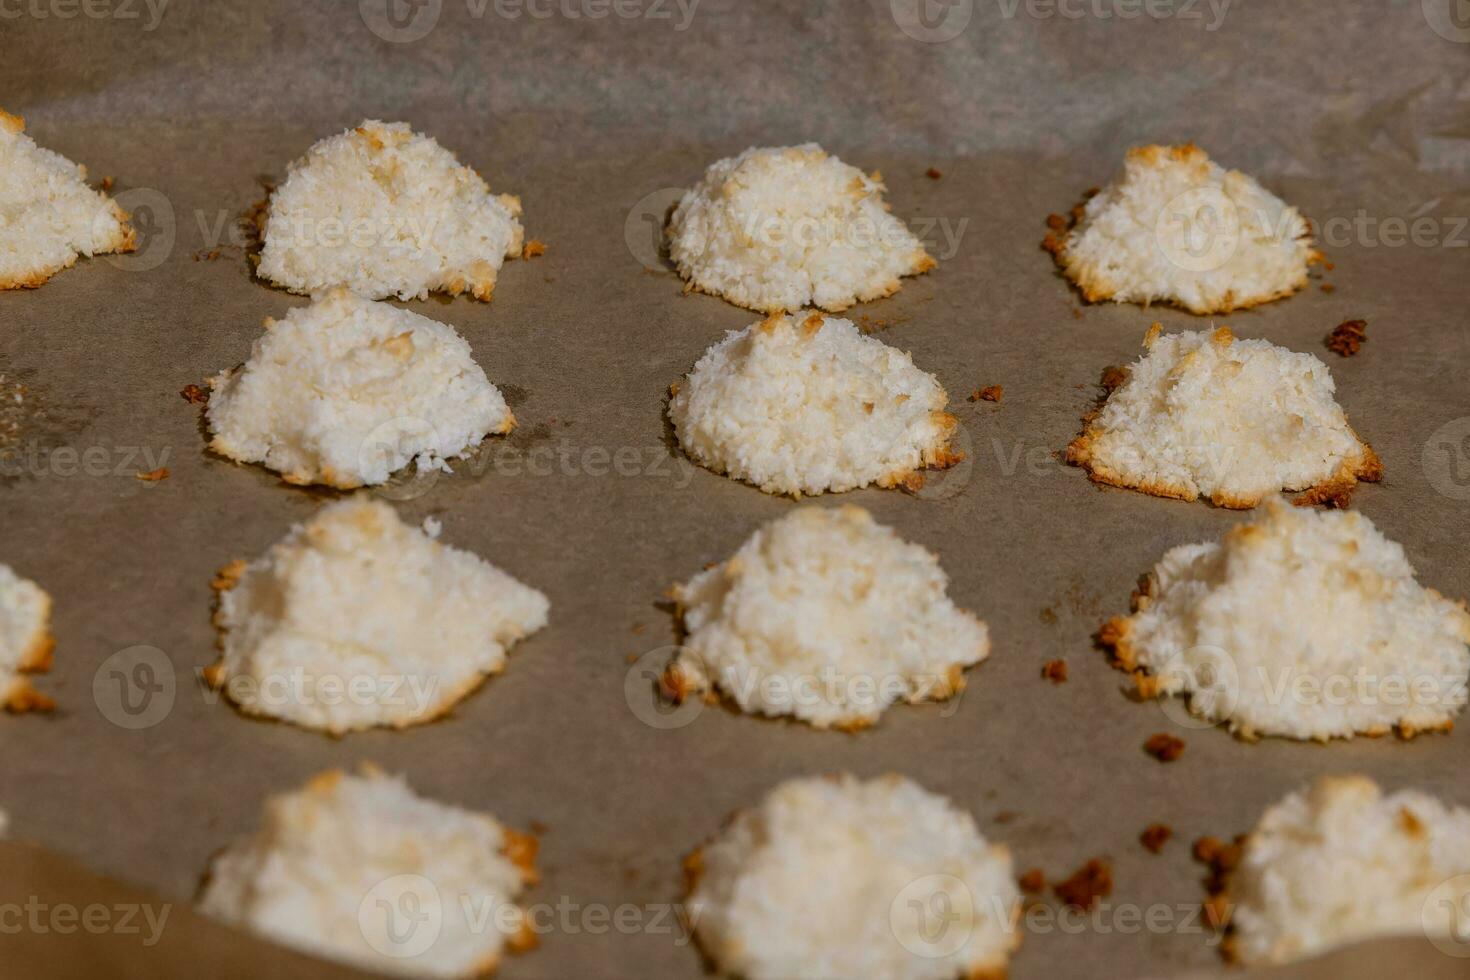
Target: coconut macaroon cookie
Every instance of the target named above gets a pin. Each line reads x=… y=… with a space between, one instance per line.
x=346 y=391
x=810 y=405
x=48 y=214
x=1173 y=227
x=1305 y=624
x=1341 y=862
x=837 y=877
x=362 y=870
x=386 y=211
x=826 y=616
x=25 y=641
x=782 y=228
x=356 y=620
x=1206 y=414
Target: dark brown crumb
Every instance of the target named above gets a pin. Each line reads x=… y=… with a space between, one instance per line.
x=153 y=476
x=1347 y=337
x=1155 y=836
x=638 y=627
x=933 y=173
x=1206 y=848
x=1092 y=881
x=194 y=395
x=1048 y=615
x=1164 y=747
x=1033 y=882
x=533 y=248
x=1005 y=816
x=1055 y=671
x=1329 y=266
x=1327 y=287
x=1113 y=376
x=107 y=183
x=990 y=393
x=1076 y=313
x=1221 y=859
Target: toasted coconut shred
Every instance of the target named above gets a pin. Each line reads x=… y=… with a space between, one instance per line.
x=782 y=228
x=25 y=641
x=48 y=214
x=809 y=406
x=826 y=616
x=346 y=391
x=333 y=862
x=1174 y=227
x=356 y=620
x=1303 y=624
x=823 y=879
x=1342 y=861
x=385 y=211
x=1206 y=414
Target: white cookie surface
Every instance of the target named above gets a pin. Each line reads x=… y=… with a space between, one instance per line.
x=837 y=877
x=1174 y=227
x=1305 y=624
x=356 y=620
x=48 y=214
x=826 y=616
x=1204 y=414
x=385 y=211
x=346 y=391
x=812 y=406
x=362 y=870
x=1341 y=862
x=25 y=640
x=782 y=228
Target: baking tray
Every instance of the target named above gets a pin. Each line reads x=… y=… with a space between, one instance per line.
x=1345 y=109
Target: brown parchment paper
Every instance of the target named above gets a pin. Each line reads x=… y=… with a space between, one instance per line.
x=1346 y=109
